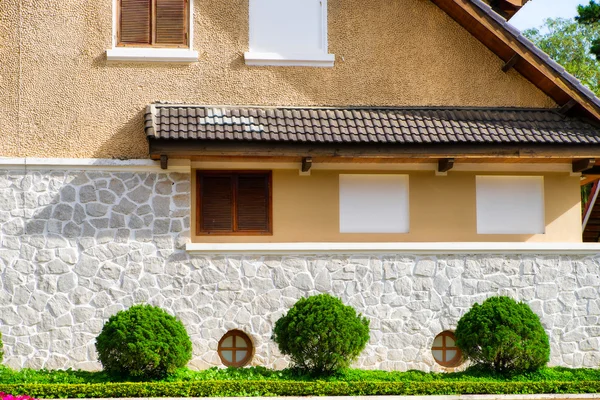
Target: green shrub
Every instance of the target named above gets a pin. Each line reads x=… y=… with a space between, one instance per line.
x=289 y=388
x=143 y=342
x=321 y=334
x=503 y=336
x=1 y=349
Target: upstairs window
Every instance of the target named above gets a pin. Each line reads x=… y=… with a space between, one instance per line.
x=231 y=203
x=153 y=23
x=288 y=32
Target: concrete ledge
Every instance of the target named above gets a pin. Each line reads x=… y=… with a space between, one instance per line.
x=396 y=248
x=91 y=164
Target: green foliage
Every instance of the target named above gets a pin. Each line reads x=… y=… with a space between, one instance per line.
x=554 y=374
x=503 y=336
x=590 y=15
x=1 y=349
x=143 y=342
x=291 y=388
x=321 y=334
x=569 y=43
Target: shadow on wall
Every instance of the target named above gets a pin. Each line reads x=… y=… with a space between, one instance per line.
x=75 y=248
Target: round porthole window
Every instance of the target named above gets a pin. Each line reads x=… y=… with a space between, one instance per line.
x=235 y=349
x=444 y=350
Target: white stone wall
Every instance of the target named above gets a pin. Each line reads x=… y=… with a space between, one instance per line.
x=76 y=247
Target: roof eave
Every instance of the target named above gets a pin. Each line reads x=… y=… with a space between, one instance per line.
x=506 y=41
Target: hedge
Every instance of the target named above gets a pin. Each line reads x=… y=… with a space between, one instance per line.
x=289 y=388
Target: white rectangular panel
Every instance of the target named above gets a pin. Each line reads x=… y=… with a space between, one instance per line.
x=374 y=203
x=287 y=26
x=510 y=204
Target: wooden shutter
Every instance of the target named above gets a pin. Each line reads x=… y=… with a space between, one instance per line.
x=216 y=203
x=252 y=203
x=171 y=22
x=135 y=22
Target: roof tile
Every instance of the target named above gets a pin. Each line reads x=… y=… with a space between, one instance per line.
x=368 y=125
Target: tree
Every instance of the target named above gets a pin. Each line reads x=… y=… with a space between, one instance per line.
x=569 y=43
x=590 y=15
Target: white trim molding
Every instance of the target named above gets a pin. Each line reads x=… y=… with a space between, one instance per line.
x=289 y=60
x=135 y=54
x=93 y=164
x=396 y=248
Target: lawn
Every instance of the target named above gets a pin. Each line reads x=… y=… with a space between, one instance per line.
x=259 y=381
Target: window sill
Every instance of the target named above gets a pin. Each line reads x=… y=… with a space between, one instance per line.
x=396 y=248
x=289 y=60
x=151 y=55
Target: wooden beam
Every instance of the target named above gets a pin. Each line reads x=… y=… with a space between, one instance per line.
x=511 y=63
x=591 y=171
x=445 y=164
x=583 y=165
x=164 y=161
x=588 y=179
x=433 y=152
x=306 y=164
x=567 y=106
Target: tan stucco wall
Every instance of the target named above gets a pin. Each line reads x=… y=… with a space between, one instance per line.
x=72 y=103
x=442 y=209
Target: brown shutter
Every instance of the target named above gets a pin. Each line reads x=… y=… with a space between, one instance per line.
x=216 y=203
x=253 y=203
x=135 y=17
x=171 y=22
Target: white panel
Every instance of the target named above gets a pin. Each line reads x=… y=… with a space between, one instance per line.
x=287 y=26
x=374 y=203
x=510 y=204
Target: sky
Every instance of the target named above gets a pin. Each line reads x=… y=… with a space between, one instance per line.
x=533 y=14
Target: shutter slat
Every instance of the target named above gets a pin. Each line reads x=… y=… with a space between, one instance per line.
x=253 y=203
x=135 y=22
x=216 y=204
x=171 y=26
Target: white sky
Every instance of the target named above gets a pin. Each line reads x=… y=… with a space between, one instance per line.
x=534 y=13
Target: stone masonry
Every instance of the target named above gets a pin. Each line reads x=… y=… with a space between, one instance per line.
x=76 y=247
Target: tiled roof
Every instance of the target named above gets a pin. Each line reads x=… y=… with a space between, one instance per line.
x=367 y=125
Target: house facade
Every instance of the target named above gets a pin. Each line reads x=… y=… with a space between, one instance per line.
x=221 y=161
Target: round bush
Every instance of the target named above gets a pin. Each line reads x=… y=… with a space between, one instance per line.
x=321 y=334
x=143 y=342
x=503 y=336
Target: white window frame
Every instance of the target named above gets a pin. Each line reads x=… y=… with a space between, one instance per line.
x=498 y=223
x=151 y=54
x=317 y=59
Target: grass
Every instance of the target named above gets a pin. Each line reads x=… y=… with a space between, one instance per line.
x=554 y=374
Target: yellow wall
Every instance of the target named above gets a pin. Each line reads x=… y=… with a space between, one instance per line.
x=442 y=209
x=60 y=97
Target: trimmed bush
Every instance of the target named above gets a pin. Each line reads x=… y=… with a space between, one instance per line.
x=503 y=336
x=288 y=388
x=143 y=342
x=321 y=334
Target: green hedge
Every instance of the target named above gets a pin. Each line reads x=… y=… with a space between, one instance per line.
x=283 y=388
